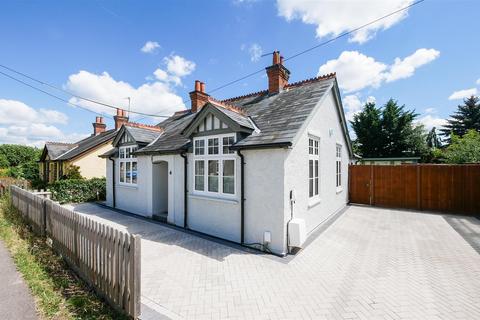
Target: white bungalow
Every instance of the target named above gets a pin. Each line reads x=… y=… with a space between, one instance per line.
x=264 y=169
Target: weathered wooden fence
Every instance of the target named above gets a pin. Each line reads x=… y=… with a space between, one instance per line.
x=432 y=187
x=106 y=258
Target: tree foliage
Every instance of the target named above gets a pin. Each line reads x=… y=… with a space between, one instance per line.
x=20 y=161
x=73 y=172
x=464 y=149
x=433 y=141
x=467 y=117
x=388 y=131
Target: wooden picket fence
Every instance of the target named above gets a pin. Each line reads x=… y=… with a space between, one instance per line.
x=106 y=258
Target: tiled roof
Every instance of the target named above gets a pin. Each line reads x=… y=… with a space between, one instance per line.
x=278 y=117
x=88 y=144
x=143 y=134
x=56 y=149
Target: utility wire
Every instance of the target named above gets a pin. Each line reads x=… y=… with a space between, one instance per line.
x=156 y=115
x=52 y=95
x=72 y=94
x=322 y=43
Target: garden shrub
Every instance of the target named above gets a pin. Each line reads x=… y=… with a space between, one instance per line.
x=78 y=190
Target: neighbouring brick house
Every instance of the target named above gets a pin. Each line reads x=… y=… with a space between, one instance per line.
x=266 y=168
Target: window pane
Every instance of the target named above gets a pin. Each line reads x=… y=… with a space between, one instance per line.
x=134 y=172
x=122 y=171
x=229 y=176
x=133 y=150
x=227 y=142
x=199 y=175
x=213 y=175
x=128 y=173
x=127 y=152
x=310 y=168
x=316 y=177
x=122 y=153
x=213 y=146
x=310 y=187
x=199 y=147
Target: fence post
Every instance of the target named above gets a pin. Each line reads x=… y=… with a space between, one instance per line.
x=136 y=261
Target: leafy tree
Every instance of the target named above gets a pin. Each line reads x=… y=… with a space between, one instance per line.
x=17 y=154
x=465 y=118
x=388 y=131
x=4 y=161
x=464 y=149
x=73 y=172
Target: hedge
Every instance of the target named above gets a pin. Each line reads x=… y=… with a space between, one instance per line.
x=78 y=190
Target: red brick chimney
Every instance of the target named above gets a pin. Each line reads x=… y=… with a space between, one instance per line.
x=277 y=74
x=98 y=126
x=198 y=97
x=121 y=118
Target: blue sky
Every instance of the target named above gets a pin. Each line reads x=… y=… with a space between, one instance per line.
x=425 y=58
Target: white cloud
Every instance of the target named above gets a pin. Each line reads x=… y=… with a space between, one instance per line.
x=255 y=52
x=22 y=124
x=461 y=94
x=179 y=66
x=17 y=112
x=335 y=17
x=430 y=121
x=430 y=110
x=162 y=75
x=354 y=105
x=155 y=98
x=478 y=82
x=150 y=47
x=404 y=68
x=357 y=71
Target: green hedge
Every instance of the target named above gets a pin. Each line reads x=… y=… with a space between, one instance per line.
x=78 y=190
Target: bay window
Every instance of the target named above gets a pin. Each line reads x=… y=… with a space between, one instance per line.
x=128 y=165
x=214 y=165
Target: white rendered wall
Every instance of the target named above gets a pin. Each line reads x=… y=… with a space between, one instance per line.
x=324 y=121
x=264 y=197
x=136 y=199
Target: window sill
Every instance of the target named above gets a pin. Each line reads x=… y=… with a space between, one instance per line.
x=212 y=198
x=339 y=190
x=126 y=186
x=314 y=202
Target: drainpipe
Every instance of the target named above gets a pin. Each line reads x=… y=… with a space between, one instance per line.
x=113 y=181
x=242 y=198
x=185 y=191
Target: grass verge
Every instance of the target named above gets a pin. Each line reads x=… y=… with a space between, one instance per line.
x=58 y=292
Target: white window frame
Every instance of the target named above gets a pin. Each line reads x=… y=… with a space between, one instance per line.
x=220 y=157
x=314 y=157
x=132 y=159
x=338 y=167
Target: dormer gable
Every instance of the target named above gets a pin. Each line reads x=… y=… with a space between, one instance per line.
x=212 y=119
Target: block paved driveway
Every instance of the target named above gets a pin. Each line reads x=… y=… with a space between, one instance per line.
x=369 y=264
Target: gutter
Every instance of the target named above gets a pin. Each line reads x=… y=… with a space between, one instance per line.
x=242 y=197
x=262 y=146
x=185 y=191
x=113 y=181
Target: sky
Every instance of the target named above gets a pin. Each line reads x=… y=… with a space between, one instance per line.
x=426 y=58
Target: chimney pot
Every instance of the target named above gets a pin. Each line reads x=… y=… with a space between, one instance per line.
x=198 y=97
x=98 y=126
x=120 y=119
x=277 y=74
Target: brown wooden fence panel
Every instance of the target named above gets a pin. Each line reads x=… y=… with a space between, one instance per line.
x=360 y=184
x=444 y=188
x=106 y=258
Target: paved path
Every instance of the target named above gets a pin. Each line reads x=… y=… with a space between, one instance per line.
x=369 y=264
x=16 y=302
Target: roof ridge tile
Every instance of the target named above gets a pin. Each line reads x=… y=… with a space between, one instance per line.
x=144 y=126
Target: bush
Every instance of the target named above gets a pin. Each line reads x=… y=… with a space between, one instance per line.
x=73 y=173
x=79 y=190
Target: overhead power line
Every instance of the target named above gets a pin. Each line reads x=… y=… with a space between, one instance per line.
x=52 y=95
x=156 y=115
